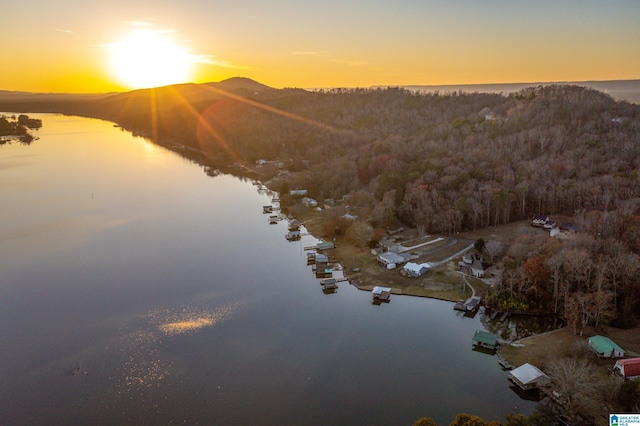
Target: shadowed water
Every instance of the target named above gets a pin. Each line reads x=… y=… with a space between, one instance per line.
x=135 y=289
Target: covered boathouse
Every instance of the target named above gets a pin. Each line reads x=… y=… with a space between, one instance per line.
x=484 y=339
x=528 y=376
x=380 y=293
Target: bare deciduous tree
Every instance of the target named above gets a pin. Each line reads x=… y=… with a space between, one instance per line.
x=493 y=248
x=575 y=380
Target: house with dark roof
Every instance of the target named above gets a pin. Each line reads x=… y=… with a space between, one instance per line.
x=539 y=220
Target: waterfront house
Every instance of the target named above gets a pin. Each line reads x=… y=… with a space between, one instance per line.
x=478 y=268
x=628 y=368
x=380 y=293
x=415 y=270
x=528 y=376
x=473 y=264
x=484 y=339
x=390 y=258
x=605 y=347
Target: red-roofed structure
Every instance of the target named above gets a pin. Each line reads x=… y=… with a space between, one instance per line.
x=628 y=368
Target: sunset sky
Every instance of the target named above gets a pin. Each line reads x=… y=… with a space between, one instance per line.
x=101 y=46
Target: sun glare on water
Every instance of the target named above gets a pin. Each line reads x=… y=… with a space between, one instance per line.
x=150 y=58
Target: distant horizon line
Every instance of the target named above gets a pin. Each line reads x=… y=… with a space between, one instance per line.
x=532 y=83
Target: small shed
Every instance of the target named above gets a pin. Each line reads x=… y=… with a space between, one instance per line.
x=628 y=368
x=381 y=293
x=605 y=347
x=484 y=339
x=415 y=270
x=528 y=376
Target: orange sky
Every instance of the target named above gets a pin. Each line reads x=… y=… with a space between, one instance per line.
x=70 y=45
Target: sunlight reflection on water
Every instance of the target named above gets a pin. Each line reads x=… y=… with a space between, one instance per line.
x=143 y=364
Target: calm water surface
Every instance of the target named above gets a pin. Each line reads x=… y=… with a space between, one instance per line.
x=173 y=301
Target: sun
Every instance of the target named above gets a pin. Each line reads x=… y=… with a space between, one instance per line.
x=150 y=58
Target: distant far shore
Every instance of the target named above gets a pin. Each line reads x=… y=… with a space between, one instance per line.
x=620 y=90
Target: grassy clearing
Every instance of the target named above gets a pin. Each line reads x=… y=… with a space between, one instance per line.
x=543 y=349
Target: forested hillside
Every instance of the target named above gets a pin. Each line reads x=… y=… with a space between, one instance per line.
x=443 y=162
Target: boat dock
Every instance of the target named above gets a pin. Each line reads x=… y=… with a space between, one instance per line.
x=380 y=294
x=503 y=315
x=472 y=304
x=505 y=364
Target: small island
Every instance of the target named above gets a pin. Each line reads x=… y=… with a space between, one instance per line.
x=18 y=128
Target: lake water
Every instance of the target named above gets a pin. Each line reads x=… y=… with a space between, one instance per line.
x=173 y=300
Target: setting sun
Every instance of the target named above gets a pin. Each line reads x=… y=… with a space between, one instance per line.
x=150 y=58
